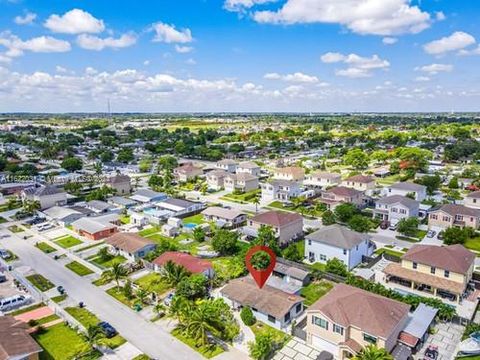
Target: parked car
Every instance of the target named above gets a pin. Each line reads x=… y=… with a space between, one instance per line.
x=393 y=227
x=14 y=302
x=5 y=254
x=108 y=330
x=384 y=225
x=431 y=233
x=440 y=235
x=61 y=289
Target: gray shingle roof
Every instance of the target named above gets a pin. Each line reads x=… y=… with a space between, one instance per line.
x=338 y=236
x=408 y=186
x=394 y=199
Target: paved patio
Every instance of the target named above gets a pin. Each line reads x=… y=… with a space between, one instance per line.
x=297 y=349
x=446 y=337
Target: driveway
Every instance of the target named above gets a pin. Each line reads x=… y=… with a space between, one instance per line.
x=446 y=337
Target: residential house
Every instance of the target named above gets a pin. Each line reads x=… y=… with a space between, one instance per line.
x=120 y=183
x=289 y=276
x=243 y=182
x=191 y=263
x=180 y=207
x=280 y=190
x=292 y=173
x=121 y=202
x=395 y=207
x=147 y=196
x=287 y=226
x=47 y=196
x=215 y=179
x=249 y=167
x=347 y=319
x=130 y=245
x=361 y=183
x=443 y=271
x=321 y=179
x=99 y=207
x=341 y=194
x=223 y=217
x=227 y=165
x=98 y=227
x=449 y=215
x=187 y=171
x=15 y=340
x=337 y=241
x=417 y=329
x=64 y=216
x=418 y=192
x=472 y=200
x=269 y=305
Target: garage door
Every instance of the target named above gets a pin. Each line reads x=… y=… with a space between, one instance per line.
x=322 y=344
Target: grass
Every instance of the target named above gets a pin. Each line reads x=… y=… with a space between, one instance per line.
x=47 y=249
x=44 y=320
x=245 y=197
x=27 y=309
x=97 y=260
x=67 y=241
x=141 y=357
x=120 y=296
x=149 y=231
x=12 y=257
x=278 y=336
x=60 y=342
x=407 y=238
x=473 y=243
x=206 y=351
x=79 y=269
x=102 y=280
x=3 y=220
x=89 y=247
x=389 y=252
x=40 y=282
x=15 y=229
x=125 y=219
x=318 y=266
x=59 y=298
x=152 y=283
x=315 y=291
x=86 y=318
x=195 y=219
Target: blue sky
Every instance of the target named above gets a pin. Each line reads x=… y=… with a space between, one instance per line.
x=239 y=55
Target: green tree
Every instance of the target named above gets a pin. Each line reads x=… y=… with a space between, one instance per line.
x=360 y=223
x=328 y=218
x=344 y=212
x=155 y=181
x=125 y=155
x=408 y=226
x=225 y=242
x=104 y=254
x=292 y=253
x=356 y=158
x=455 y=235
x=193 y=287
x=118 y=272
x=127 y=290
x=266 y=237
x=173 y=273
x=260 y=260
x=371 y=352
x=432 y=183
x=337 y=267
x=199 y=234
x=453 y=183
x=72 y=164
x=263 y=346
x=246 y=314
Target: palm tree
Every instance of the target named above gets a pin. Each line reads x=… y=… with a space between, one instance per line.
x=173 y=273
x=98 y=168
x=201 y=324
x=371 y=352
x=141 y=295
x=256 y=201
x=297 y=201
x=118 y=272
x=137 y=182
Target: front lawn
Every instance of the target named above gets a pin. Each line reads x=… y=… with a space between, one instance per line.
x=40 y=282
x=389 y=252
x=195 y=219
x=97 y=260
x=15 y=229
x=473 y=243
x=279 y=337
x=3 y=220
x=60 y=342
x=59 y=298
x=245 y=197
x=315 y=291
x=11 y=257
x=125 y=219
x=27 y=309
x=47 y=249
x=207 y=351
x=78 y=268
x=153 y=283
x=67 y=241
x=44 y=320
x=149 y=231
x=120 y=296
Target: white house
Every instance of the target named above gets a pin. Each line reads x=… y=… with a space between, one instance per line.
x=404 y=188
x=323 y=180
x=249 y=168
x=396 y=207
x=179 y=207
x=227 y=165
x=280 y=190
x=336 y=241
x=472 y=200
x=129 y=245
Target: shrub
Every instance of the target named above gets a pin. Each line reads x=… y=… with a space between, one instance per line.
x=247 y=316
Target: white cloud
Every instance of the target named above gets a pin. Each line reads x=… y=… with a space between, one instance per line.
x=190 y=62
x=146 y=62
x=358 y=66
x=434 y=69
x=296 y=77
x=475 y=51
x=389 y=40
x=376 y=17
x=183 y=49
x=26 y=19
x=60 y=69
x=241 y=5
x=169 y=34
x=92 y=42
x=422 y=78
x=75 y=21
x=456 y=41
x=440 y=16
x=42 y=44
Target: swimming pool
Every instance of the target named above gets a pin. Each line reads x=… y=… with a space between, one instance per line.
x=190 y=225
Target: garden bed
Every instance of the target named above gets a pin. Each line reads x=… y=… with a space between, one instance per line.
x=40 y=282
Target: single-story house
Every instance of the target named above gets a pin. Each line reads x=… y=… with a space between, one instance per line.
x=180 y=207
x=289 y=276
x=98 y=227
x=193 y=264
x=99 y=207
x=15 y=340
x=64 y=216
x=224 y=217
x=129 y=245
x=47 y=196
x=147 y=196
x=122 y=202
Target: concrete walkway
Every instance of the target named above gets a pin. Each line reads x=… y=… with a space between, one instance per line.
x=297 y=349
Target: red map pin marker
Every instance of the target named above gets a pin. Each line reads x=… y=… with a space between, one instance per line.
x=260 y=276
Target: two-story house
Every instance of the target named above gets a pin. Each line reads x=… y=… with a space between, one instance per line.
x=443 y=271
x=337 y=241
x=361 y=183
x=292 y=173
x=341 y=194
x=347 y=319
x=120 y=183
x=243 y=182
x=249 y=167
x=394 y=208
x=287 y=226
x=229 y=218
x=280 y=190
x=417 y=191
x=187 y=171
x=47 y=196
x=449 y=215
x=472 y=200
x=215 y=179
x=227 y=165
x=321 y=179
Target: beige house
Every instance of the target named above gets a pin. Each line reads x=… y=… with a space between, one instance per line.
x=449 y=215
x=360 y=182
x=243 y=182
x=227 y=165
x=187 y=171
x=120 y=183
x=347 y=319
x=442 y=271
x=287 y=226
x=215 y=179
x=472 y=200
x=292 y=173
x=341 y=194
x=322 y=179
x=248 y=167
x=227 y=217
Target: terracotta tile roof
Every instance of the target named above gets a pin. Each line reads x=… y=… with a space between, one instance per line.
x=407 y=339
x=455 y=258
x=189 y=262
x=343 y=191
x=397 y=270
x=128 y=242
x=379 y=316
x=276 y=218
x=352 y=345
x=360 y=178
x=15 y=340
x=267 y=300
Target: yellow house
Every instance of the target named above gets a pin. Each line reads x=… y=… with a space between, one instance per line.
x=443 y=271
x=347 y=319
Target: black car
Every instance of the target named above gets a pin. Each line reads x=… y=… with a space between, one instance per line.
x=107 y=329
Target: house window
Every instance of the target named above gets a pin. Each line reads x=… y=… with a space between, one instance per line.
x=337 y=329
x=309 y=242
x=394 y=210
x=369 y=338
x=298 y=308
x=414 y=265
x=446 y=273
x=344 y=252
x=446 y=218
x=434 y=217
x=323 y=257
x=271 y=318
x=432 y=270
x=254 y=309
x=320 y=322
x=403 y=211
x=287 y=317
